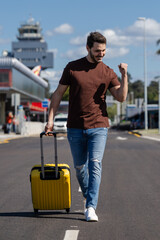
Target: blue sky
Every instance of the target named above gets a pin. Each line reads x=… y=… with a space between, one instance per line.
x=65 y=25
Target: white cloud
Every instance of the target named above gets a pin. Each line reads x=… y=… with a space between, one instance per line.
x=62 y=29
x=136 y=31
x=134 y=34
x=119 y=41
x=75 y=53
x=81 y=52
x=116 y=52
x=152 y=27
x=80 y=40
x=116 y=38
x=53 y=77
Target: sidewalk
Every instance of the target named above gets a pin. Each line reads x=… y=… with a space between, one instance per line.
x=151 y=134
x=28 y=129
x=4 y=138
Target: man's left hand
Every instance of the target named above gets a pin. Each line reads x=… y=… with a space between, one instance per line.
x=123 y=68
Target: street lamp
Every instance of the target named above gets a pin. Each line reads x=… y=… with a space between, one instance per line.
x=158 y=79
x=145 y=75
x=159 y=106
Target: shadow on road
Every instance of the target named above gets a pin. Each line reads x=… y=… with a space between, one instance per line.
x=54 y=215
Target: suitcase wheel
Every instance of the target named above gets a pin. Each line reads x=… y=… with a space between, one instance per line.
x=67 y=210
x=36 y=212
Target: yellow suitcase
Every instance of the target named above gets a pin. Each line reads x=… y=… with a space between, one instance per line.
x=50 y=184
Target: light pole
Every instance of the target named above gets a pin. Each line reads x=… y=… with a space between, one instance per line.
x=159 y=105
x=145 y=75
x=158 y=79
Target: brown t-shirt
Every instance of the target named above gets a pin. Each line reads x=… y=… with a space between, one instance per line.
x=88 y=85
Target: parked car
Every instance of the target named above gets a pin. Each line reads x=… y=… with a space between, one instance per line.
x=137 y=124
x=60 y=122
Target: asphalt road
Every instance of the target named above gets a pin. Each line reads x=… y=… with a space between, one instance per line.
x=129 y=202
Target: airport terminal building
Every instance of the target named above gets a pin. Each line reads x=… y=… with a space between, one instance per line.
x=16 y=78
x=18 y=83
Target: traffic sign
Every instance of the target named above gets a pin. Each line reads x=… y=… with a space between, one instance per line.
x=45 y=104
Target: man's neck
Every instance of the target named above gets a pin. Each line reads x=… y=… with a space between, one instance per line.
x=89 y=59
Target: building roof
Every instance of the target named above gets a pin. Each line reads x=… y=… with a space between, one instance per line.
x=8 y=62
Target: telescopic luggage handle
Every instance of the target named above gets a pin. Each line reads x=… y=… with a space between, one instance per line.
x=53 y=133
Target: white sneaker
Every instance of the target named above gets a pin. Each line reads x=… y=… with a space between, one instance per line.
x=91 y=215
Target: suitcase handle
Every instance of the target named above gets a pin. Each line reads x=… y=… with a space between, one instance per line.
x=53 y=133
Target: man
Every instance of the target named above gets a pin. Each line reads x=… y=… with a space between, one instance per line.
x=88 y=79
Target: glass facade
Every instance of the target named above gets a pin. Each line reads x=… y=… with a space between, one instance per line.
x=4 y=77
x=25 y=84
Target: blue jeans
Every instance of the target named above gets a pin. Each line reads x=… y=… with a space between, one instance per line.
x=87 y=148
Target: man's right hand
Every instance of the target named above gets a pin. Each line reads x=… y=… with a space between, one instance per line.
x=48 y=128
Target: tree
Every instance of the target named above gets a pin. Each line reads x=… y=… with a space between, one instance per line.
x=153 y=92
x=138 y=88
x=66 y=95
x=112 y=111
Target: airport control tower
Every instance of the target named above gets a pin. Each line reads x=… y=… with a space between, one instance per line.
x=31 y=49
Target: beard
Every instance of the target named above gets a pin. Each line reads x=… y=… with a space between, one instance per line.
x=94 y=58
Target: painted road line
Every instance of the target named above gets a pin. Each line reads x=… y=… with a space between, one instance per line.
x=4 y=141
x=60 y=138
x=79 y=189
x=151 y=138
x=71 y=235
x=121 y=138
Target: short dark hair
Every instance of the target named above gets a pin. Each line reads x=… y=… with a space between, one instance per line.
x=95 y=37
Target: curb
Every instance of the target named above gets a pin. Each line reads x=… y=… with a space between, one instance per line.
x=137 y=134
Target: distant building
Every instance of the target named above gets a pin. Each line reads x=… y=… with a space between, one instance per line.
x=16 y=78
x=18 y=84
x=135 y=113
x=31 y=49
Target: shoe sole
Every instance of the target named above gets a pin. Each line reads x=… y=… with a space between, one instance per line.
x=92 y=220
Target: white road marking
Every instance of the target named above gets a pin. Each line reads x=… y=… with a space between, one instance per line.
x=78 y=211
x=151 y=138
x=71 y=235
x=121 y=138
x=79 y=189
x=60 y=138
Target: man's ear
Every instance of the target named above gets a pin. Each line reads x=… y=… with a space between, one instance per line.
x=88 y=49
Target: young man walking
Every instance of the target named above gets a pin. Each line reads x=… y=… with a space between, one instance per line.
x=88 y=79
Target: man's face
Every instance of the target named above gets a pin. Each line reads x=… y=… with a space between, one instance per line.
x=97 y=52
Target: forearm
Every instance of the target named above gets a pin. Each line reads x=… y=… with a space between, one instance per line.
x=55 y=101
x=123 y=90
x=120 y=92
